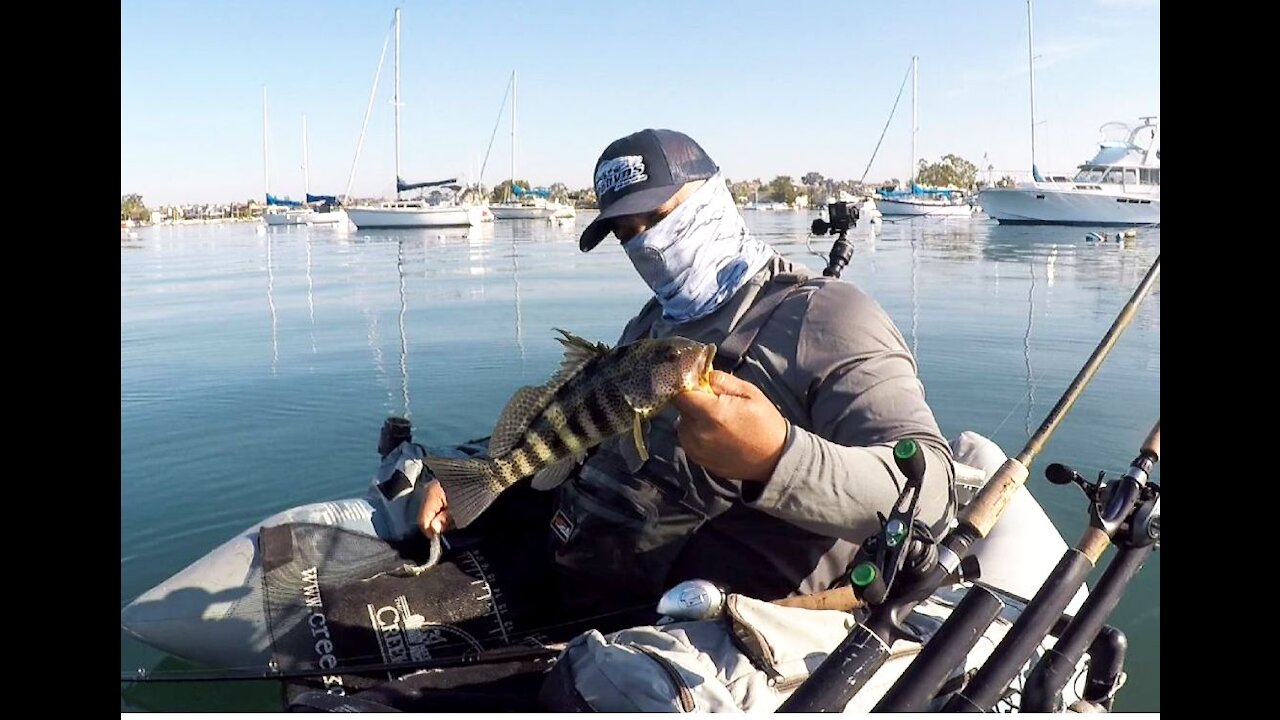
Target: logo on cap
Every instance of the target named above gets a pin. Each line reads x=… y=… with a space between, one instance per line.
x=615 y=174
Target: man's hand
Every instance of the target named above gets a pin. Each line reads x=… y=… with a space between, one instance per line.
x=433 y=517
x=735 y=433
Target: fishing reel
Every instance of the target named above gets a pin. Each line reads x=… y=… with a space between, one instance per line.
x=895 y=553
x=893 y=564
x=1127 y=509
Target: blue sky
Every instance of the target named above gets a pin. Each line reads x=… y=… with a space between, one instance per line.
x=767 y=88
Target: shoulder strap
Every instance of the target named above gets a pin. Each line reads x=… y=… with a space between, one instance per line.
x=732 y=350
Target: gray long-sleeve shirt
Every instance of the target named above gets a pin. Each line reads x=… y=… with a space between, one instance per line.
x=838 y=369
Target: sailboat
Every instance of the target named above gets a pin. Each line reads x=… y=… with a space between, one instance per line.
x=418 y=212
x=917 y=200
x=1119 y=186
x=318 y=209
x=279 y=211
x=524 y=204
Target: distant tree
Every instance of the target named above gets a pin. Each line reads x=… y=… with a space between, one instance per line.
x=558 y=191
x=473 y=193
x=781 y=189
x=502 y=192
x=132 y=208
x=812 y=180
x=742 y=190
x=952 y=170
x=1006 y=181
x=584 y=198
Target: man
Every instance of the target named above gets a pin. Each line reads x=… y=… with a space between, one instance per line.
x=768 y=485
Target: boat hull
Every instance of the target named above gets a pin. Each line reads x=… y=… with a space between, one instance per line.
x=304 y=217
x=521 y=212
x=1046 y=206
x=418 y=217
x=910 y=208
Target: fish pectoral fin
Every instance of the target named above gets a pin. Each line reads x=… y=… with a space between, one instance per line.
x=637 y=433
x=552 y=475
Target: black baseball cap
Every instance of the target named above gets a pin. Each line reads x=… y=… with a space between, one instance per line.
x=639 y=172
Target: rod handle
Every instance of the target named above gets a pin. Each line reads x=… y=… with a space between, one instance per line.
x=841 y=598
x=1151 y=446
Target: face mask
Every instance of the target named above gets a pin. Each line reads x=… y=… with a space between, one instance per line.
x=697 y=257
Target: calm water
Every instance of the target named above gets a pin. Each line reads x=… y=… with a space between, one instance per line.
x=256 y=368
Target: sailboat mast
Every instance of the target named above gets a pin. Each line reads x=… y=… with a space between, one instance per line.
x=1031 y=63
x=513 y=134
x=915 y=123
x=306 y=162
x=396 y=101
x=266 y=162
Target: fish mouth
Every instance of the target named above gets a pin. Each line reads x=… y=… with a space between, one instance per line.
x=708 y=355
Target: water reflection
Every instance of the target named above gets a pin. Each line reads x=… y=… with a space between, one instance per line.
x=915 y=301
x=404 y=345
x=515 y=282
x=1026 y=341
x=271 y=303
x=311 y=305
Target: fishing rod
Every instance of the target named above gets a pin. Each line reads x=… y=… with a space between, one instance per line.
x=1106 y=645
x=931 y=563
x=506 y=654
x=1111 y=507
x=1130 y=500
x=392 y=428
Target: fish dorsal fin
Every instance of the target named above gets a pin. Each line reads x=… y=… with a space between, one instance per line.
x=577 y=353
x=524 y=406
x=516 y=417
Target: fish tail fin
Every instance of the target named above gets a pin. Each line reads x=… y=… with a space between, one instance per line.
x=470 y=485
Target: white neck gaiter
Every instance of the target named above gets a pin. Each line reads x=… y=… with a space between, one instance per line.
x=697 y=257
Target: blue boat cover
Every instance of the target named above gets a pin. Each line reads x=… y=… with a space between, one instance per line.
x=282 y=202
x=536 y=192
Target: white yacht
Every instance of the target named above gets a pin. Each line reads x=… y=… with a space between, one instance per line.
x=1120 y=185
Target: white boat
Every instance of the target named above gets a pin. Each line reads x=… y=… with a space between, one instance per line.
x=527 y=204
x=277 y=216
x=522 y=211
x=416 y=213
x=918 y=200
x=1120 y=185
x=922 y=205
x=772 y=206
x=317 y=210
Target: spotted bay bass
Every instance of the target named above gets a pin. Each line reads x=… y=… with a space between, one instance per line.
x=544 y=431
